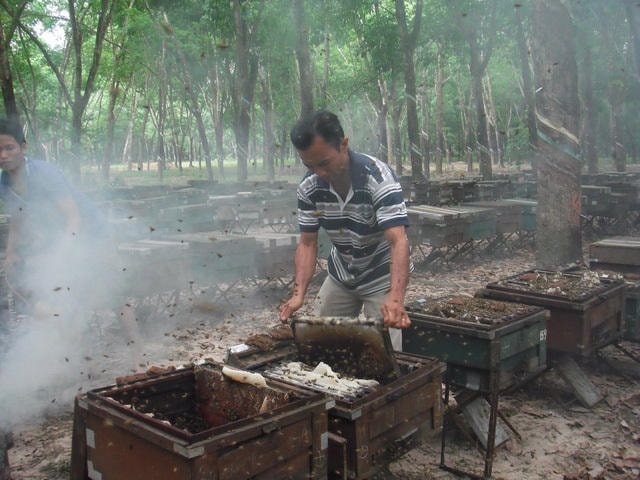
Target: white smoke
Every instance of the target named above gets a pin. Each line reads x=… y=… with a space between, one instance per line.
x=94 y=295
x=74 y=335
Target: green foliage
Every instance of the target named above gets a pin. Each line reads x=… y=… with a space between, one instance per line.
x=157 y=46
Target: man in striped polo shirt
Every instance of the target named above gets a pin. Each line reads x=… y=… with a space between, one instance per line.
x=357 y=199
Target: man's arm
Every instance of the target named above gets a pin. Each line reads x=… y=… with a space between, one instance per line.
x=305 y=264
x=393 y=309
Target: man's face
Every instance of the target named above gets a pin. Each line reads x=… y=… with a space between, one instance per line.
x=325 y=161
x=11 y=153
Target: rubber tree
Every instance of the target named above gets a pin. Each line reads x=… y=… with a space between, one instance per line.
x=245 y=78
x=8 y=25
x=303 y=56
x=558 y=234
x=408 y=41
x=83 y=86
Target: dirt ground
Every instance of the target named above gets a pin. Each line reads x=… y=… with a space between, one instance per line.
x=559 y=437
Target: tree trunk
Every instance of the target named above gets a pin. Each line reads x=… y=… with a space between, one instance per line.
x=83 y=87
x=465 y=128
x=439 y=87
x=527 y=84
x=558 y=232
x=161 y=115
x=108 y=154
x=6 y=78
x=217 y=100
x=304 y=58
x=633 y=16
x=193 y=99
x=396 y=144
x=616 y=99
x=477 y=68
x=243 y=89
x=425 y=139
x=141 y=150
x=382 y=121
x=269 y=140
x=127 y=150
x=493 y=132
x=589 y=127
x=478 y=29
x=114 y=92
x=408 y=44
x=324 y=95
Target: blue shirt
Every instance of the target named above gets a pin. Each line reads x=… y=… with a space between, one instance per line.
x=37 y=214
x=360 y=257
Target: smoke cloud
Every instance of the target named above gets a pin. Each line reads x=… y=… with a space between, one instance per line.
x=69 y=328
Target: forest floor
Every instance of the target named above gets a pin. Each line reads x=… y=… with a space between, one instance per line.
x=560 y=438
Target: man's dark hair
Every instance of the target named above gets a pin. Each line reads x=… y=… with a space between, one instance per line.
x=323 y=124
x=12 y=128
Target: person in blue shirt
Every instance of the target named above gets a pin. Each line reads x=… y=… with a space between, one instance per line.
x=56 y=234
x=358 y=201
x=51 y=224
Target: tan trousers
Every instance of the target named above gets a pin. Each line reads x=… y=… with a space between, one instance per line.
x=334 y=300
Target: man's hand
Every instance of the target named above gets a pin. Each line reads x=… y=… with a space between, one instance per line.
x=288 y=308
x=394 y=314
x=305 y=261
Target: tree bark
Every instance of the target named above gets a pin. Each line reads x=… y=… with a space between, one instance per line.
x=193 y=99
x=633 y=16
x=465 y=129
x=324 y=91
x=493 y=132
x=128 y=148
x=382 y=121
x=396 y=145
x=616 y=98
x=304 y=58
x=244 y=87
x=408 y=41
x=478 y=30
x=558 y=234
x=477 y=67
x=6 y=77
x=589 y=127
x=439 y=88
x=161 y=116
x=268 y=146
x=83 y=88
x=114 y=92
x=218 y=101
x=527 y=83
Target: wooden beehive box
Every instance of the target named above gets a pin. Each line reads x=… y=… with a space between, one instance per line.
x=480 y=340
x=585 y=313
x=368 y=432
x=161 y=428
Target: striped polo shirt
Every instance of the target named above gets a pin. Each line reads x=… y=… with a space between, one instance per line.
x=360 y=255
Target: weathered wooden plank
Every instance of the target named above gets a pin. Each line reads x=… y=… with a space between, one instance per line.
x=477 y=415
x=584 y=390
